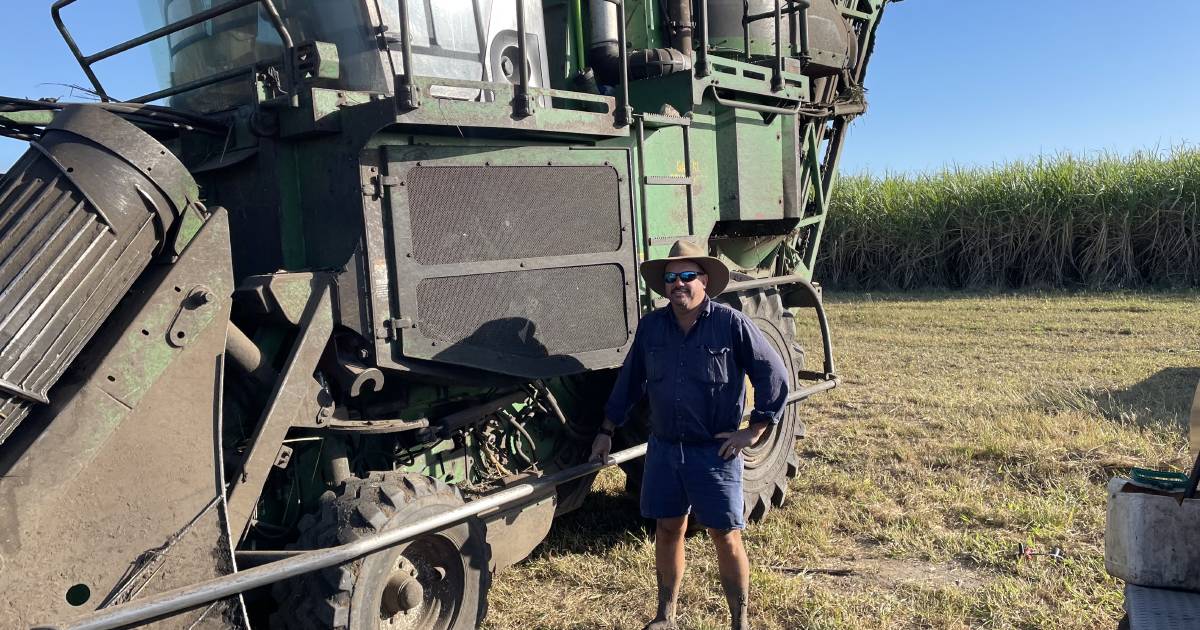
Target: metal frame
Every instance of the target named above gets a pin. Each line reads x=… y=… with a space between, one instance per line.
x=293 y=394
x=828 y=379
x=829 y=128
x=408 y=90
x=86 y=61
x=395 y=276
x=461 y=113
x=825 y=125
x=176 y=600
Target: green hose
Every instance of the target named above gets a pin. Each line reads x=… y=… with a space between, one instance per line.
x=577 y=34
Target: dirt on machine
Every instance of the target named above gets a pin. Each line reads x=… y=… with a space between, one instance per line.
x=317 y=332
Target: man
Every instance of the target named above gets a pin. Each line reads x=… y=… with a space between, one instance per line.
x=691 y=357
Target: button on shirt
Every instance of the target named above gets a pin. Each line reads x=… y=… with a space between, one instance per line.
x=696 y=381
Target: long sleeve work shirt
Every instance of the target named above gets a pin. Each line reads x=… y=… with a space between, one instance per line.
x=696 y=382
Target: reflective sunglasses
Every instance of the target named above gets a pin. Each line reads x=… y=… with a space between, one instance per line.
x=686 y=276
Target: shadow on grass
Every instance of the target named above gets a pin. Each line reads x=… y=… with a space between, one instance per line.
x=1164 y=398
x=604 y=520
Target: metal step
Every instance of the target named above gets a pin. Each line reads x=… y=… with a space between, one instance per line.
x=1161 y=609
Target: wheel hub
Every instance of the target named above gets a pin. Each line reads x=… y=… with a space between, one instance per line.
x=404 y=592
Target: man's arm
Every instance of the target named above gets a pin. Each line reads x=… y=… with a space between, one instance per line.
x=767 y=374
x=627 y=391
x=766 y=371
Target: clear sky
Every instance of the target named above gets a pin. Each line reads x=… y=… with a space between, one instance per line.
x=966 y=82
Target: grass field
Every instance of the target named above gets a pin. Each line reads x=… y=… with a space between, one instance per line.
x=966 y=425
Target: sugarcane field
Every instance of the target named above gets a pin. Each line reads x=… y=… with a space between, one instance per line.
x=599 y=315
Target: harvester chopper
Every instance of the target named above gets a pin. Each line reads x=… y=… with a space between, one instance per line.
x=318 y=333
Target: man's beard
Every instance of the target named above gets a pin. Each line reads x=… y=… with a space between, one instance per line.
x=684 y=294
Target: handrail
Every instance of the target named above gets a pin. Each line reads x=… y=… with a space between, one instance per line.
x=86 y=61
x=198 y=83
x=406 y=92
x=521 y=105
x=624 y=114
x=822 y=320
x=754 y=107
x=702 y=67
x=777 y=68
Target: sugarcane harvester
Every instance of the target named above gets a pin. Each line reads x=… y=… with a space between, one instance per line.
x=363 y=269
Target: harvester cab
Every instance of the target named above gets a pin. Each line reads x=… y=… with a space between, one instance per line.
x=317 y=330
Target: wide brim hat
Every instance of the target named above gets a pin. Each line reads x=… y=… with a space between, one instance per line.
x=718 y=274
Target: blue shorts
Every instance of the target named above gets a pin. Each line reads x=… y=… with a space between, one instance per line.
x=683 y=478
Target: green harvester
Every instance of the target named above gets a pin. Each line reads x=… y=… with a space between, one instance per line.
x=318 y=333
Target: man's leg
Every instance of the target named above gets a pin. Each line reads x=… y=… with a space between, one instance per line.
x=735 y=575
x=668 y=569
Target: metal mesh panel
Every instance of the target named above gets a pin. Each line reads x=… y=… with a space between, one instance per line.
x=475 y=213
x=536 y=314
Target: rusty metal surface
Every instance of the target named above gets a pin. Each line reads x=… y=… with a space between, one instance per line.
x=115 y=485
x=198 y=594
x=293 y=401
x=512 y=533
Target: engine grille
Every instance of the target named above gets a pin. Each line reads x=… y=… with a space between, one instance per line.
x=535 y=314
x=480 y=213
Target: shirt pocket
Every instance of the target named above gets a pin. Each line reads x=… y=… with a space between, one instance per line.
x=713 y=364
x=655 y=368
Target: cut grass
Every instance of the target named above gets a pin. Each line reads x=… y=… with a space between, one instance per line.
x=965 y=425
x=1112 y=221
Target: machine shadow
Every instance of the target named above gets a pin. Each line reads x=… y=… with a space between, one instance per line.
x=1163 y=398
x=604 y=520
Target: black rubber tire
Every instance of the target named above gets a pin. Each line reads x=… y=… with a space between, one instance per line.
x=771 y=462
x=350 y=596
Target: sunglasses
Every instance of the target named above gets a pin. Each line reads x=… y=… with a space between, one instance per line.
x=686 y=276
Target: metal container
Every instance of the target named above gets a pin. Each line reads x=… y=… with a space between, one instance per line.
x=832 y=42
x=1149 y=538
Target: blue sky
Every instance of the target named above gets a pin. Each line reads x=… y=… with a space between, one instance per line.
x=953 y=82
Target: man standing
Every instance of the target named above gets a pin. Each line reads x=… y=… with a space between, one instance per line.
x=691 y=358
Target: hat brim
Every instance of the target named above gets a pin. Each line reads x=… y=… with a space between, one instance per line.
x=716 y=271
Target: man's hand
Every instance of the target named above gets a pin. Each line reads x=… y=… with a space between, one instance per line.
x=738 y=440
x=601 y=447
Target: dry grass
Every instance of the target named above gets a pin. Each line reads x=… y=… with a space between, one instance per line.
x=965 y=426
x=1113 y=221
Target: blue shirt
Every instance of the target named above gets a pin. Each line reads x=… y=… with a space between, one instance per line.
x=696 y=382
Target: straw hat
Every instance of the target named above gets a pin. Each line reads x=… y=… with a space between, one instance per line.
x=718 y=273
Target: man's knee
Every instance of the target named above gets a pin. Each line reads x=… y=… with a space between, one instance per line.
x=676 y=526
x=731 y=538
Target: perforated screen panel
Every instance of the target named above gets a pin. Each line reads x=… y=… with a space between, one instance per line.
x=535 y=314
x=479 y=213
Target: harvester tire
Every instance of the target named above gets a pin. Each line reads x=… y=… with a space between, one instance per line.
x=438 y=581
x=771 y=462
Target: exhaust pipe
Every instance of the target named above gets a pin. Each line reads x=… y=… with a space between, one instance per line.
x=604 y=53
